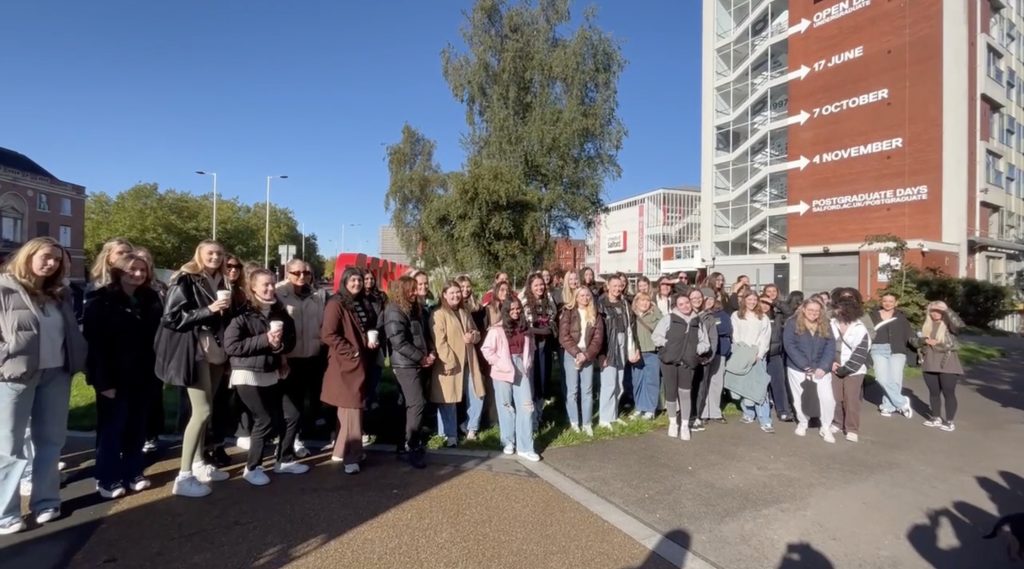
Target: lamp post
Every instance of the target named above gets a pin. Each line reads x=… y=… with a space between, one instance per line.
x=214 y=174
x=266 y=234
x=343 y=226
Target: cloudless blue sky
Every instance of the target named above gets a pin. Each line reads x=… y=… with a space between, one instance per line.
x=107 y=94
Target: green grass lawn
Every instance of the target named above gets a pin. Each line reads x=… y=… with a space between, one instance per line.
x=554 y=431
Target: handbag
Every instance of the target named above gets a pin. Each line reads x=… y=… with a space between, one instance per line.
x=809 y=398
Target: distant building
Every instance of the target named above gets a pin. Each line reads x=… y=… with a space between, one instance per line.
x=650 y=234
x=391 y=247
x=35 y=203
x=570 y=254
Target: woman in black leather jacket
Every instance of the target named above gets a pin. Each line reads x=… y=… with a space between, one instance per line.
x=412 y=355
x=189 y=353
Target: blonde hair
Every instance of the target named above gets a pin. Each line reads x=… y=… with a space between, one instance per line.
x=195 y=265
x=123 y=265
x=19 y=266
x=636 y=301
x=100 y=272
x=821 y=327
x=146 y=256
x=590 y=312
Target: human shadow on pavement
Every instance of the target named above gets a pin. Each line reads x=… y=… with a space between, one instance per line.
x=804 y=556
x=999 y=380
x=951 y=537
x=672 y=550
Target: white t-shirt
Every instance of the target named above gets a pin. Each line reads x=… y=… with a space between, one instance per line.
x=51 y=336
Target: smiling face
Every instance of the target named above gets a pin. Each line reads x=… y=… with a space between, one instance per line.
x=466 y=288
x=888 y=302
x=212 y=256
x=615 y=288
x=812 y=312
x=515 y=310
x=502 y=292
x=696 y=298
x=354 y=284
x=453 y=297
x=422 y=284
x=46 y=262
x=572 y=280
x=233 y=267
x=584 y=297
x=263 y=288
x=683 y=305
x=136 y=275
x=537 y=287
x=750 y=301
x=369 y=281
x=643 y=286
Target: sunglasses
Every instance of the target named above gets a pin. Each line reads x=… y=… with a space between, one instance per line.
x=300 y=273
x=233 y=266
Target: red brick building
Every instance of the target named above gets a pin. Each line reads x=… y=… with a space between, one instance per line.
x=35 y=203
x=570 y=254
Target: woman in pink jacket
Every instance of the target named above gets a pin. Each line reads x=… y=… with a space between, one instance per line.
x=509 y=349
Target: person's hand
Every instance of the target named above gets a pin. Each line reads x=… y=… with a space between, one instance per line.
x=931 y=341
x=432 y=357
x=373 y=345
x=835 y=367
x=468 y=338
x=275 y=338
x=634 y=357
x=580 y=358
x=425 y=361
x=819 y=373
x=220 y=305
x=109 y=393
x=603 y=361
x=449 y=370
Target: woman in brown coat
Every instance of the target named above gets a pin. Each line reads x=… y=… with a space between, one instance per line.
x=456 y=372
x=344 y=381
x=581 y=335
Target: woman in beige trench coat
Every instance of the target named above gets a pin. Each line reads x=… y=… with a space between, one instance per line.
x=456 y=374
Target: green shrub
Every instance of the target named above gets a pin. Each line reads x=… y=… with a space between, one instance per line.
x=979 y=303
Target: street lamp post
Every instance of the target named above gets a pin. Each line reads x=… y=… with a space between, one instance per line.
x=266 y=234
x=214 y=174
x=343 y=226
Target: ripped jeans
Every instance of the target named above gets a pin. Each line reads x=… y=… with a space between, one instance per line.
x=515 y=409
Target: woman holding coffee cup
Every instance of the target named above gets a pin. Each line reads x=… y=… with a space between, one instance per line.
x=256 y=340
x=189 y=354
x=349 y=346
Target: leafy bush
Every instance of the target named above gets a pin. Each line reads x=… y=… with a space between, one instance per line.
x=979 y=303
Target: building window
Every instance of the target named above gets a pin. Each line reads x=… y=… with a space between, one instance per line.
x=42 y=202
x=10 y=227
x=42 y=229
x=993 y=175
x=65 y=236
x=65 y=206
x=995 y=70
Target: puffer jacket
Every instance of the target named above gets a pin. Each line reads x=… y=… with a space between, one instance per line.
x=407 y=335
x=246 y=343
x=19 y=333
x=307 y=312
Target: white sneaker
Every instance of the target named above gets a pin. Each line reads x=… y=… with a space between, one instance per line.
x=351 y=469
x=827 y=435
x=574 y=428
x=510 y=448
x=139 y=484
x=907 y=411
x=936 y=422
x=885 y=413
x=256 y=477
x=61 y=465
x=12 y=527
x=647 y=416
x=337 y=458
x=588 y=430
x=242 y=443
x=291 y=468
x=852 y=437
x=189 y=486
x=684 y=433
x=207 y=473
x=530 y=456
x=801 y=429
x=948 y=427
x=834 y=429
x=367 y=440
x=112 y=492
x=47 y=515
x=25 y=487
x=673 y=428
x=604 y=425
x=300 y=449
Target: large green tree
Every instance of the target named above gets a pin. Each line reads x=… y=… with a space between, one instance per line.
x=543 y=138
x=170 y=224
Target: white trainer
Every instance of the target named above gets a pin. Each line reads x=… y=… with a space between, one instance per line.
x=189 y=486
x=588 y=430
x=684 y=433
x=13 y=526
x=673 y=428
x=510 y=448
x=907 y=411
x=530 y=456
x=300 y=449
x=256 y=477
x=291 y=468
x=827 y=435
x=47 y=515
x=207 y=473
x=352 y=468
x=242 y=443
x=139 y=484
x=801 y=429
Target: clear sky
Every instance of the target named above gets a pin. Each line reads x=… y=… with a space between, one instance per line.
x=110 y=93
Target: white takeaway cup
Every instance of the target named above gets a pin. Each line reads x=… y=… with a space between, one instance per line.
x=223 y=295
x=372 y=336
x=276 y=325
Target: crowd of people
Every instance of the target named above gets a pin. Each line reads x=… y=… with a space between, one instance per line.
x=272 y=361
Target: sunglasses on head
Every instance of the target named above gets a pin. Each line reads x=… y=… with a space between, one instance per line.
x=299 y=273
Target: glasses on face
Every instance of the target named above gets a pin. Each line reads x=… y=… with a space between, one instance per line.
x=299 y=273
x=233 y=266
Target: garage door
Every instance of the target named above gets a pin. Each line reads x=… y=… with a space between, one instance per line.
x=826 y=272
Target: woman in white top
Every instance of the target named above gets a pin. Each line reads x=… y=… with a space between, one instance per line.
x=752 y=328
x=852 y=346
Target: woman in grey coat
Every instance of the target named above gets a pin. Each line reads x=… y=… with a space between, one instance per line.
x=41 y=347
x=940 y=362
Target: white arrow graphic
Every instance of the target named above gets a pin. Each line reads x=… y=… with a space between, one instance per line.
x=799 y=73
x=800 y=27
x=800 y=208
x=797 y=119
x=800 y=163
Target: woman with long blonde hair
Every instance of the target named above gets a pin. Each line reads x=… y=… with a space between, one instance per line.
x=940 y=363
x=810 y=351
x=581 y=335
x=751 y=337
x=112 y=250
x=37 y=317
x=647 y=371
x=190 y=354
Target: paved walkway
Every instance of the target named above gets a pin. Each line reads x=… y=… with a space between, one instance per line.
x=459 y=512
x=905 y=496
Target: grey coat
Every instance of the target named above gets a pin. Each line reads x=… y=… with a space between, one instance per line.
x=19 y=333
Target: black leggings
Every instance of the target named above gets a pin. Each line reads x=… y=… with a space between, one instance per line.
x=944 y=385
x=272 y=413
x=411 y=380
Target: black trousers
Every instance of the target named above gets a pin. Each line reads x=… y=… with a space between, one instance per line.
x=411 y=381
x=154 y=402
x=224 y=418
x=303 y=385
x=273 y=413
x=120 y=434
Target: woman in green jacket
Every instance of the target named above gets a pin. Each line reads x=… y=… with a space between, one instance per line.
x=647 y=371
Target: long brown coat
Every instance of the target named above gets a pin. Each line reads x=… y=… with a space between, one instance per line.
x=346 y=352
x=453 y=356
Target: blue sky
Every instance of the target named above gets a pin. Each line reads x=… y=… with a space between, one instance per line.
x=107 y=94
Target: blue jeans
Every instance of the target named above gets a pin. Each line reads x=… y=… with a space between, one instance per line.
x=647 y=382
x=515 y=409
x=448 y=415
x=121 y=432
x=611 y=390
x=447 y=420
x=579 y=391
x=44 y=396
x=761 y=410
x=889 y=374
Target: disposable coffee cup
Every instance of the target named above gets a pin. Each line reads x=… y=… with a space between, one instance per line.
x=372 y=336
x=223 y=295
x=276 y=325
